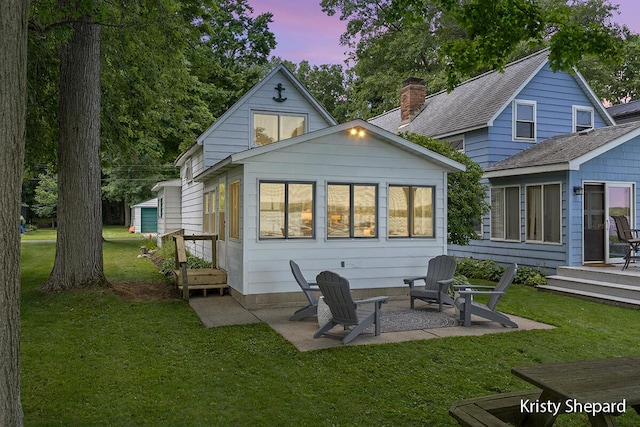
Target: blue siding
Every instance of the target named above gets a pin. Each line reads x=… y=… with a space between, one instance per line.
x=540 y=255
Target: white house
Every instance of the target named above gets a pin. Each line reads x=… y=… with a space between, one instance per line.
x=276 y=179
x=169 y=207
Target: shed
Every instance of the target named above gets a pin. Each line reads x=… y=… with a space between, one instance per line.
x=144 y=216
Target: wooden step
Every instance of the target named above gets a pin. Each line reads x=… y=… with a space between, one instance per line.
x=202 y=276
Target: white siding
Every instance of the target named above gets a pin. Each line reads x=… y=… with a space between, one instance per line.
x=235 y=134
x=368 y=263
x=192 y=203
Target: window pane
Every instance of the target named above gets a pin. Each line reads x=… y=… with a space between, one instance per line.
x=512 y=213
x=534 y=213
x=423 y=212
x=497 y=213
x=338 y=211
x=300 y=210
x=291 y=126
x=271 y=210
x=398 y=212
x=364 y=211
x=552 y=213
x=525 y=112
x=583 y=118
x=524 y=130
x=265 y=128
x=207 y=214
x=234 y=213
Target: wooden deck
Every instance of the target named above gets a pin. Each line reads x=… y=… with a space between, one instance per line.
x=603 y=283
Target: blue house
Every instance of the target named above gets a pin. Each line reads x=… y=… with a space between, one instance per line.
x=556 y=164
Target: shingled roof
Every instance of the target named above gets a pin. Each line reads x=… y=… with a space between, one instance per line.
x=564 y=152
x=474 y=104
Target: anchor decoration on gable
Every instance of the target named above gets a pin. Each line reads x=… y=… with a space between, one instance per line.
x=279 y=88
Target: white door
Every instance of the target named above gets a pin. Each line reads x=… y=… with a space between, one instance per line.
x=221 y=250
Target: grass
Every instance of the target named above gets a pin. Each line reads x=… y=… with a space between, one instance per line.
x=92 y=358
x=108 y=232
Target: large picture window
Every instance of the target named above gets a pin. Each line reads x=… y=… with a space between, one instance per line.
x=543 y=217
x=505 y=213
x=271 y=127
x=352 y=210
x=286 y=210
x=524 y=120
x=411 y=211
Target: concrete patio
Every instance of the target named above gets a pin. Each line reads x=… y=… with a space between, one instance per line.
x=215 y=311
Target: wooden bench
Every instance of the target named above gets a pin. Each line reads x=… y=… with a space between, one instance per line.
x=198 y=278
x=496 y=410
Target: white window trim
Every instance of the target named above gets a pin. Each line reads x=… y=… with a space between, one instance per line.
x=188 y=170
x=458 y=137
x=514 y=123
x=542 y=184
x=275 y=113
x=575 y=109
x=504 y=239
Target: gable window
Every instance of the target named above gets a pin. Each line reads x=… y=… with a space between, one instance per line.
x=505 y=213
x=234 y=210
x=457 y=143
x=209 y=213
x=543 y=213
x=352 y=210
x=286 y=210
x=582 y=118
x=272 y=127
x=411 y=211
x=524 y=120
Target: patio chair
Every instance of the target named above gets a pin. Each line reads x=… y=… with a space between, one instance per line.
x=344 y=310
x=310 y=309
x=468 y=306
x=437 y=281
x=627 y=235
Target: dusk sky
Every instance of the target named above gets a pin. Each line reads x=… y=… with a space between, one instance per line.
x=304 y=32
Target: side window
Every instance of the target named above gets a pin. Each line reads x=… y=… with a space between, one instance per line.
x=271 y=127
x=524 y=120
x=582 y=118
x=234 y=210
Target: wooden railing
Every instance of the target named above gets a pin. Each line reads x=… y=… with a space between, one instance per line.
x=199 y=275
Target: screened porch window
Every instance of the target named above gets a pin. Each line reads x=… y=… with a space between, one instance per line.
x=286 y=210
x=543 y=218
x=411 y=211
x=524 y=120
x=505 y=213
x=352 y=210
x=271 y=127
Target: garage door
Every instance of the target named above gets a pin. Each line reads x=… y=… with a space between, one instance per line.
x=148 y=220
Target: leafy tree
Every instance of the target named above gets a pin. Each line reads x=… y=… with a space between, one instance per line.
x=13 y=91
x=466 y=194
x=46 y=196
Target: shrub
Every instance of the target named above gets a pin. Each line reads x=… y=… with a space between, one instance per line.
x=530 y=276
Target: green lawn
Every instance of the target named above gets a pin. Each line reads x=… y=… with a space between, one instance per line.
x=108 y=232
x=92 y=358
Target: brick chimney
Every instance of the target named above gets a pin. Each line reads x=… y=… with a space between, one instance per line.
x=412 y=99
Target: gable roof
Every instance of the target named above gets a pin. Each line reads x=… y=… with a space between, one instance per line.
x=294 y=81
x=564 y=152
x=393 y=139
x=476 y=103
x=281 y=68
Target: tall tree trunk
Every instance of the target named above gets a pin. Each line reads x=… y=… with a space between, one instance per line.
x=78 y=262
x=13 y=101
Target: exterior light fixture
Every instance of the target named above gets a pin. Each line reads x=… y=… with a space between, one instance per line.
x=578 y=190
x=359 y=132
